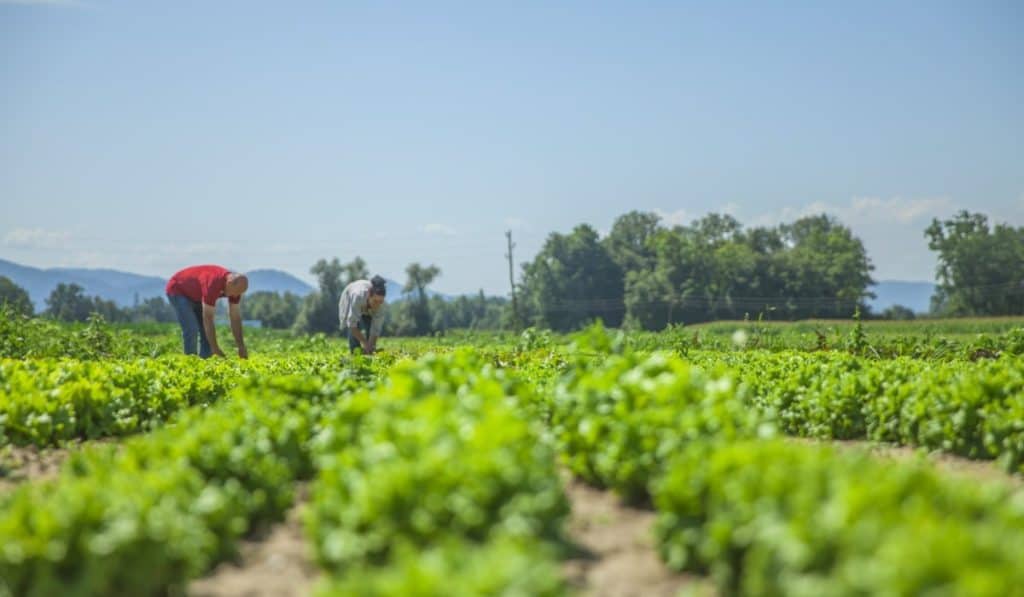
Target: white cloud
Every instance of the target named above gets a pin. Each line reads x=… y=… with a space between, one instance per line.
x=862 y=210
x=439 y=229
x=900 y=209
x=36 y=238
x=678 y=217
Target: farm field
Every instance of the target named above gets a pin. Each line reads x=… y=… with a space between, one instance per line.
x=736 y=458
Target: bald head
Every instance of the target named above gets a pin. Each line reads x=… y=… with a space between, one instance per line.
x=236 y=285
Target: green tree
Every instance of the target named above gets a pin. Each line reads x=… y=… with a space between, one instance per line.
x=273 y=309
x=15 y=297
x=354 y=270
x=627 y=243
x=154 y=309
x=319 y=311
x=108 y=310
x=418 y=278
x=67 y=302
x=470 y=312
x=827 y=268
x=714 y=269
x=898 y=313
x=573 y=280
x=672 y=289
x=981 y=268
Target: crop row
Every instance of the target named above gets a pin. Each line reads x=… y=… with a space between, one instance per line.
x=433 y=480
x=164 y=507
x=975 y=410
x=782 y=518
x=44 y=402
x=770 y=517
x=437 y=484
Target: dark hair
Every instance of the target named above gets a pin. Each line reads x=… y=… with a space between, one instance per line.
x=379 y=285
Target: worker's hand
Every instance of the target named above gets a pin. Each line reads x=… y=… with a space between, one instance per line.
x=243 y=352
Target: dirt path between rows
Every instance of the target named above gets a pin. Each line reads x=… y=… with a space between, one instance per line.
x=278 y=563
x=21 y=464
x=617 y=553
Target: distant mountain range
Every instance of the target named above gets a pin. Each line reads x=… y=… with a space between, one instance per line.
x=124 y=288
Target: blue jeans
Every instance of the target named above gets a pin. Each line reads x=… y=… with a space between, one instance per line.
x=190 y=317
x=364 y=325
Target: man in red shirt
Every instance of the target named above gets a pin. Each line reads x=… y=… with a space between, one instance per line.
x=193 y=292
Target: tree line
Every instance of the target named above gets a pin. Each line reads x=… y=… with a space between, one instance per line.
x=68 y=302
x=643 y=274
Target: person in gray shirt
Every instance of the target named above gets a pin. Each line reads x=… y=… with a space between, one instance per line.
x=361 y=313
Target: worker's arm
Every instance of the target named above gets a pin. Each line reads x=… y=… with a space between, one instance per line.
x=375 y=328
x=235 y=315
x=358 y=335
x=211 y=329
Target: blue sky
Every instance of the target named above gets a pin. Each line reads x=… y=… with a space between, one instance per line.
x=149 y=136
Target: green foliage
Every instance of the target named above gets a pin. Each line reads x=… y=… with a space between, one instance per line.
x=981 y=269
x=628 y=241
x=25 y=337
x=437 y=453
x=470 y=313
x=618 y=422
x=572 y=282
x=973 y=410
x=714 y=269
x=319 y=312
x=502 y=566
x=68 y=302
x=898 y=313
x=437 y=475
x=163 y=508
x=272 y=309
x=44 y=402
x=418 y=305
x=14 y=300
x=778 y=518
x=857 y=343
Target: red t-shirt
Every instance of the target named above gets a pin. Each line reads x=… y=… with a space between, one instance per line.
x=201 y=283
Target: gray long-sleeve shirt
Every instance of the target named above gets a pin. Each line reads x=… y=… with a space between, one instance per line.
x=354 y=303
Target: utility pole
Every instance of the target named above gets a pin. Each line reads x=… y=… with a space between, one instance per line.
x=511 y=281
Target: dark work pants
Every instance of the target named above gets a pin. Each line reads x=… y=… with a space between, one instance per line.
x=364 y=325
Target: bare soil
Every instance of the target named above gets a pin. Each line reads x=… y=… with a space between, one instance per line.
x=29 y=463
x=21 y=464
x=617 y=555
x=276 y=563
